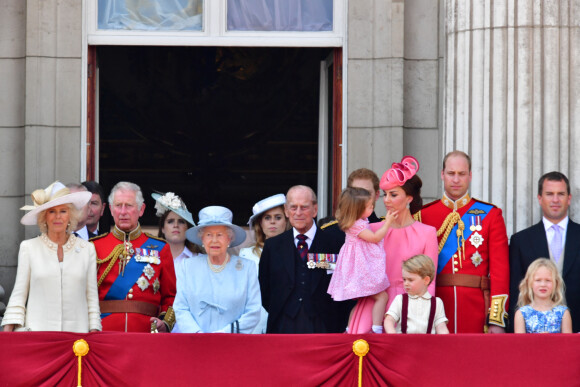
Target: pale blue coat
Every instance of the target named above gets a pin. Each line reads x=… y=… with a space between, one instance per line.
x=209 y=302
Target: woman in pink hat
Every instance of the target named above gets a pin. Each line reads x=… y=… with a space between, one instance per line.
x=56 y=279
x=405 y=237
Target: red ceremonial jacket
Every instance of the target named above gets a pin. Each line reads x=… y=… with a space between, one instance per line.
x=464 y=306
x=158 y=290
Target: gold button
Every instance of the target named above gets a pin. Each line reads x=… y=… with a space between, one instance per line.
x=455 y=262
x=455 y=269
x=454 y=255
x=130 y=290
x=495 y=315
x=130 y=296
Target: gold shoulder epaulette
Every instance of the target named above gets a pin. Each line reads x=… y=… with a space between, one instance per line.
x=98 y=237
x=328 y=224
x=155 y=237
x=417 y=216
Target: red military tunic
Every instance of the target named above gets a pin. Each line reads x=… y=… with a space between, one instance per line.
x=156 y=286
x=465 y=306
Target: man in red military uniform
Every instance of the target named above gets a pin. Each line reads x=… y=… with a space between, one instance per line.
x=135 y=274
x=473 y=268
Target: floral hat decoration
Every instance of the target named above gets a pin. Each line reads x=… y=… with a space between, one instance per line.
x=54 y=195
x=172 y=202
x=399 y=173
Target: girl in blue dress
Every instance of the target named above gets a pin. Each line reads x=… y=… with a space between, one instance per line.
x=541 y=301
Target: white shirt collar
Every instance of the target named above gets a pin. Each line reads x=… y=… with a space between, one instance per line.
x=563 y=223
x=425 y=296
x=83 y=233
x=309 y=234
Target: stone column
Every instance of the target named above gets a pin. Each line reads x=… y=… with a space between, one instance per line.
x=512 y=98
x=12 y=104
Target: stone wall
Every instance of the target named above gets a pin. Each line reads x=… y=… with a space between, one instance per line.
x=395 y=68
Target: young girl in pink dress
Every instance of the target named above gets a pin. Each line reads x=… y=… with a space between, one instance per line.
x=405 y=238
x=360 y=268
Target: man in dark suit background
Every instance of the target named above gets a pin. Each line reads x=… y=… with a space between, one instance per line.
x=295 y=296
x=555 y=237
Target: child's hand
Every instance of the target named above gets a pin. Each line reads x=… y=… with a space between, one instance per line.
x=390 y=217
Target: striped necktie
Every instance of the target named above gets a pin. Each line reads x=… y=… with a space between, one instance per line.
x=302 y=246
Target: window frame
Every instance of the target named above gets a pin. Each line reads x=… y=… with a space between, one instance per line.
x=214 y=32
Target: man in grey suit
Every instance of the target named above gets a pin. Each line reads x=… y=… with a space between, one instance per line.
x=556 y=237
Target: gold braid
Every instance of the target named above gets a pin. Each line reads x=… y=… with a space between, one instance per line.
x=113 y=258
x=446 y=228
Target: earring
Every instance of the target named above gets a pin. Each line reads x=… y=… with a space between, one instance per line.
x=408 y=206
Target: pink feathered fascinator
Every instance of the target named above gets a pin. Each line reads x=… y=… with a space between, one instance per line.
x=399 y=173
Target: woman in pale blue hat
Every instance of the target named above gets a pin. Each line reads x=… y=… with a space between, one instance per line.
x=217 y=292
x=174 y=220
x=267 y=220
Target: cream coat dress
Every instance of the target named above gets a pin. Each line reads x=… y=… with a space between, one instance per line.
x=46 y=298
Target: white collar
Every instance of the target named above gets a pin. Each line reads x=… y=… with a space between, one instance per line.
x=425 y=296
x=563 y=223
x=309 y=234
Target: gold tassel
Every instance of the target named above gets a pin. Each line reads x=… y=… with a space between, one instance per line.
x=360 y=348
x=80 y=349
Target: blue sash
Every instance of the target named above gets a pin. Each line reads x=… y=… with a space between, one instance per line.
x=133 y=271
x=450 y=246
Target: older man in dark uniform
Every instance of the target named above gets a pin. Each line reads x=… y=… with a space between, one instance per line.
x=294 y=291
x=135 y=274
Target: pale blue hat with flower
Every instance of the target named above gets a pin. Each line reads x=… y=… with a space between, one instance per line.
x=172 y=202
x=216 y=216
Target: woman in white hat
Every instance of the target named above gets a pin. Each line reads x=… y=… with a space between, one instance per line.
x=217 y=292
x=268 y=220
x=56 y=279
x=174 y=221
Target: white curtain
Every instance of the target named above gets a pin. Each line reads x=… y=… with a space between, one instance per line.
x=150 y=15
x=279 y=15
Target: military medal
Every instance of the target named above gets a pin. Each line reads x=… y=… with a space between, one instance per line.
x=156 y=286
x=124 y=258
x=311 y=264
x=149 y=271
x=142 y=283
x=472 y=227
x=239 y=265
x=476 y=259
x=476 y=239
x=478 y=225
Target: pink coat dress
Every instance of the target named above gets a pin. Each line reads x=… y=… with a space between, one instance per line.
x=360 y=268
x=400 y=244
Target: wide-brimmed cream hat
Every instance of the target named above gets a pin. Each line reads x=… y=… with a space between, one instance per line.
x=265 y=205
x=172 y=202
x=216 y=216
x=54 y=195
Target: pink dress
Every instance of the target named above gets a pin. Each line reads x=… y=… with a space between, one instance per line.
x=400 y=244
x=360 y=267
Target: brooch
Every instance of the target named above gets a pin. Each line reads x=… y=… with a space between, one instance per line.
x=239 y=265
x=142 y=283
x=149 y=271
x=476 y=259
x=476 y=239
x=156 y=286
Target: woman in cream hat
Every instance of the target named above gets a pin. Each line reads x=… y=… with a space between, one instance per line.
x=267 y=220
x=216 y=292
x=56 y=279
x=174 y=220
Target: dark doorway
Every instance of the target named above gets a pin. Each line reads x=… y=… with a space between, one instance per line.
x=217 y=126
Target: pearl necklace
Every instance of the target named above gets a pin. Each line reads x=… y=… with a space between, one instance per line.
x=220 y=267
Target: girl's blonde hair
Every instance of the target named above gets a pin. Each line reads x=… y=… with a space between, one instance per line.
x=351 y=206
x=421 y=265
x=527 y=294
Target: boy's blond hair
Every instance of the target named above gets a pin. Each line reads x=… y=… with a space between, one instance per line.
x=421 y=265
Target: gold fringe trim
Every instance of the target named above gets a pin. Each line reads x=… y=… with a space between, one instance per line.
x=111 y=257
x=445 y=230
